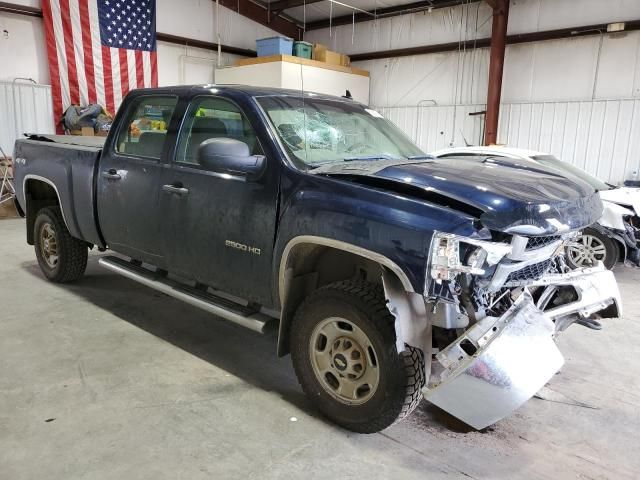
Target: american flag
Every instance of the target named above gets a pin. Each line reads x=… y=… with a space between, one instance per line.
x=98 y=50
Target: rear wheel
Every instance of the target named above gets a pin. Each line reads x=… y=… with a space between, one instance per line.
x=62 y=258
x=344 y=353
x=592 y=247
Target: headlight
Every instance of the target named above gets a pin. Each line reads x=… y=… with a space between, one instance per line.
x=446 y=262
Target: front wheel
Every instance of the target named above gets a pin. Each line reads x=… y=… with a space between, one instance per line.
x=62 y=258
x=592 y=247
x=344 y=354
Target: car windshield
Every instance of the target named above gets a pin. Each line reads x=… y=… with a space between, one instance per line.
x=553 y=162
x=319 y=132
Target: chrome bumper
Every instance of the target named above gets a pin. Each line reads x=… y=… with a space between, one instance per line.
x=501 y=362
x=596 y=288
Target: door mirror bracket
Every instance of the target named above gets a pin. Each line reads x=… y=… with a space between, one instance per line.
x=230 y=156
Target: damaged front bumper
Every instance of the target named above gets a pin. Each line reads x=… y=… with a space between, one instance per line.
x=501 y=362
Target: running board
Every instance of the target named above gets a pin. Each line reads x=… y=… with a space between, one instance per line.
x=236 y=313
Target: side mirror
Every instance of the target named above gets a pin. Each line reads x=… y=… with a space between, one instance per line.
x=226 y=155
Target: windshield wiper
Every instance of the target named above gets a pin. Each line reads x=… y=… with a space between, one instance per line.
x=380 y=156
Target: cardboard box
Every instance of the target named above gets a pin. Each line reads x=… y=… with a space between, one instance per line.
x=85 y=132
x=345 y=60
x=330 y=57
x=321 y=54
x=318 y=50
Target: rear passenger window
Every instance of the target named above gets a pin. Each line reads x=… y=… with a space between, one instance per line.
x=210 y=117
x=145 y=128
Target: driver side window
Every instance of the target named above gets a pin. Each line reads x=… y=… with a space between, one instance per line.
x=211 y=117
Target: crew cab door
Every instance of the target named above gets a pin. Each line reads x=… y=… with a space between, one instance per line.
x=129 y=179
x=220 y=228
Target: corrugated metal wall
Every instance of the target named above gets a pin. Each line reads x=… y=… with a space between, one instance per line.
x=24 y=108
x=601 y=136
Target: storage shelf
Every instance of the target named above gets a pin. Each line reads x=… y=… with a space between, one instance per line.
x=301 y=61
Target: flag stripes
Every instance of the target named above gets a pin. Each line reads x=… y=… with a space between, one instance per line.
x=98 y=50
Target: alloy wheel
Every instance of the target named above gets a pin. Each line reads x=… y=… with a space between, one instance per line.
x=587 y=251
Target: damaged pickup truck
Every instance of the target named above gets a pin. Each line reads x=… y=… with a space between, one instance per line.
x=390 y=274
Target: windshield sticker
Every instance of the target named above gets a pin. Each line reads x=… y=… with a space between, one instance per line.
x=373 y=113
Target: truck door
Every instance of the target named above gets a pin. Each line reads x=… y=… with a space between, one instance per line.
x=220 y=227
x=129 y=179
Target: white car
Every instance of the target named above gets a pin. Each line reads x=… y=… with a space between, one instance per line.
x=616 y=236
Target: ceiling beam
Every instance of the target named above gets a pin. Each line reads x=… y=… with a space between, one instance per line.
x=280 y=5
x=572 y=32
x=260 y=14
x=20 y=9
x=191 y=42
x=358 y=17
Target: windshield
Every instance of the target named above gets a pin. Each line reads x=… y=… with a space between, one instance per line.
x=553 y=162
x=318 y=132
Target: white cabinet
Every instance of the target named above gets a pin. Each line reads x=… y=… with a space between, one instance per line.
x=284 y=71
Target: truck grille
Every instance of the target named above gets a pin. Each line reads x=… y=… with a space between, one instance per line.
x=539 y=242
x=530 y=272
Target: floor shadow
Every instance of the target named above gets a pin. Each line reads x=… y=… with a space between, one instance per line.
x=241 y=352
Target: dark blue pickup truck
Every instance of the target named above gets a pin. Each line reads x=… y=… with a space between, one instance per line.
x=390 y=274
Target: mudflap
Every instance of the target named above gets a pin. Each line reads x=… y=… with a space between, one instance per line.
x=496 y=365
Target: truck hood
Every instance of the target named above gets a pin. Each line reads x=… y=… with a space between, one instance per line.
x=506 y=195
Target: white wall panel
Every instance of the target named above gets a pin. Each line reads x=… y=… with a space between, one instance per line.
x=197 y=19
x=601 y=136
x=180 y=65
x=24 y=108
x=444 y=25
x=23 y=53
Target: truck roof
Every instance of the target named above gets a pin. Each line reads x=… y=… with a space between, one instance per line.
x=247 y=89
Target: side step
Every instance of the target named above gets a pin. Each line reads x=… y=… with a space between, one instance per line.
x=244 y=316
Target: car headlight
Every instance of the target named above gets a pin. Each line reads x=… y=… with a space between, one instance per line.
x=446 y=261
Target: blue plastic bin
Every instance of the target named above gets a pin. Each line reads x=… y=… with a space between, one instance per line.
x=274 y=46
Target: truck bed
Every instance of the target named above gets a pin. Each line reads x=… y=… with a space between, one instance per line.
x=69 y=164
x=80 y=141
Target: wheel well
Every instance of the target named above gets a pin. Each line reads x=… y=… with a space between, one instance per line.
x=311 y=266
x=38 y=195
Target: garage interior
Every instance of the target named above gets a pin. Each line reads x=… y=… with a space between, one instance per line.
x=106 y=378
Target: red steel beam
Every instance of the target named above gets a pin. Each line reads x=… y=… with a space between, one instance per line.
x=496 y=66
x=263 y=16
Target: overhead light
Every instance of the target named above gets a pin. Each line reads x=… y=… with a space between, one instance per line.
x=615 y=27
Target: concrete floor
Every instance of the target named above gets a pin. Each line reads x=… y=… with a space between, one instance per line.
x=109 y=379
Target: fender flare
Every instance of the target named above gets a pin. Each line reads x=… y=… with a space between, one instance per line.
x=31 y=176
x=287 y=309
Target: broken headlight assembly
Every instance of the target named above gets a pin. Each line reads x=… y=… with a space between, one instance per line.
x=452 y=255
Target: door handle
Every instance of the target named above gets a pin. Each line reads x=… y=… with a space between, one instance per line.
x=175 y=189
x=111 y=174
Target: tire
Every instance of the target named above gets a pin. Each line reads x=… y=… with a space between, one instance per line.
x=355 y=311
x=592 y=246
x=62 y=258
